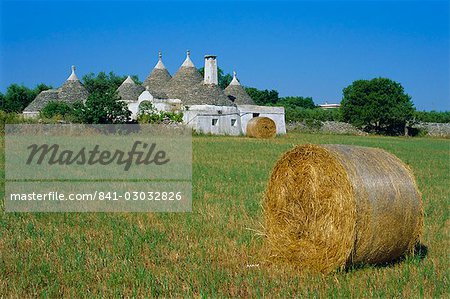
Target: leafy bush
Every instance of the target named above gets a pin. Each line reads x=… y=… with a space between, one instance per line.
x=106 y=83
x=296 y=102
x=15 y=118
x=263 y=97
x=432 y=116
x=296 y=108
x=146 y=107
x=301 y=114
x=147 y=114
x=160 y=117
x=102 y=108
x=53 y=109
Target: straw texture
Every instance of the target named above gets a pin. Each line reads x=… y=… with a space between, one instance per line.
x=328 y=207
x=261 y=127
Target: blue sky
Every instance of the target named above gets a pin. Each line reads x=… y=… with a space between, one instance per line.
x=305 y=48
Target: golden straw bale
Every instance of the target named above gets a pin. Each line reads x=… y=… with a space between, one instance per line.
x=327 y=207
x=261 y=127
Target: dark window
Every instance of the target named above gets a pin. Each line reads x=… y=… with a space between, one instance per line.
x=255 y=114
x=214 y=121
x=233 y=122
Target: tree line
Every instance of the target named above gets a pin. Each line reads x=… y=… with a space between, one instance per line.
x=379 y=105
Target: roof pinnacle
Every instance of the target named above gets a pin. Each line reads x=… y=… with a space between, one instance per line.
x=128 y=80
x=235 y=81
x=188 y=61
x=160 y=64
x=73 y=76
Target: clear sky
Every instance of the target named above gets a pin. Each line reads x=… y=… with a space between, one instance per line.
x=304 y=48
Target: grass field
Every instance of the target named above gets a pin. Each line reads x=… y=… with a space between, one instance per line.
x=216 y=249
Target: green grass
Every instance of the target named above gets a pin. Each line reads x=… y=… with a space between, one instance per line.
x=216 y=249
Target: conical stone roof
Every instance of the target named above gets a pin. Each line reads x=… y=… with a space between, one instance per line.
x=156 y=82
x=42 y=99
x=237 y=94
x=212 y=94
x=72 y=90
x=187 y=85
x=129 y=91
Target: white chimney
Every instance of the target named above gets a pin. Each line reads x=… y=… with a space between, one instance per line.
x=211 y=70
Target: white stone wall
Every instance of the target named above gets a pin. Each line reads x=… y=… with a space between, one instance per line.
x=217 y=120
x=209 y=119
x=228 y=124
x=247 y=112
x=226 y=120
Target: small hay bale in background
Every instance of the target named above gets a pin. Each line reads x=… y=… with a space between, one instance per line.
x=331 y=206
x=261 y=127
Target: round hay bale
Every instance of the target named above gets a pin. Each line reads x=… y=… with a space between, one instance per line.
x=261 y=127
x=331 y=206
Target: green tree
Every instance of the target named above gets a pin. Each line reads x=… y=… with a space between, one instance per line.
x=223 y=79
x=297 y=102
x=17 y=97
x=53 y=109
x=102 y=108
x=432 y=116
x=318 y=114
x=103 y=105
x=103 y=82
x=379 y=105
x=41 y=87
x=148 y=114
x=263 y=97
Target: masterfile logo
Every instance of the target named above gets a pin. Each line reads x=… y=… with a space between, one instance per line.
x=98 y=152
x=54 y=155
x=125 y=168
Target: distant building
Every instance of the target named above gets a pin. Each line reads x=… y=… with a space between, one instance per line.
x=205 y=106
x=70 y=92
x=329 y=106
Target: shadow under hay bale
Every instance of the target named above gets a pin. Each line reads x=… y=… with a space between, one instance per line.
x=261 y=127
x=419 y=253
x=331 y=206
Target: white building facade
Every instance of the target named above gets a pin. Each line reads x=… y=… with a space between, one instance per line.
x=205 y=106
x=204 y=115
